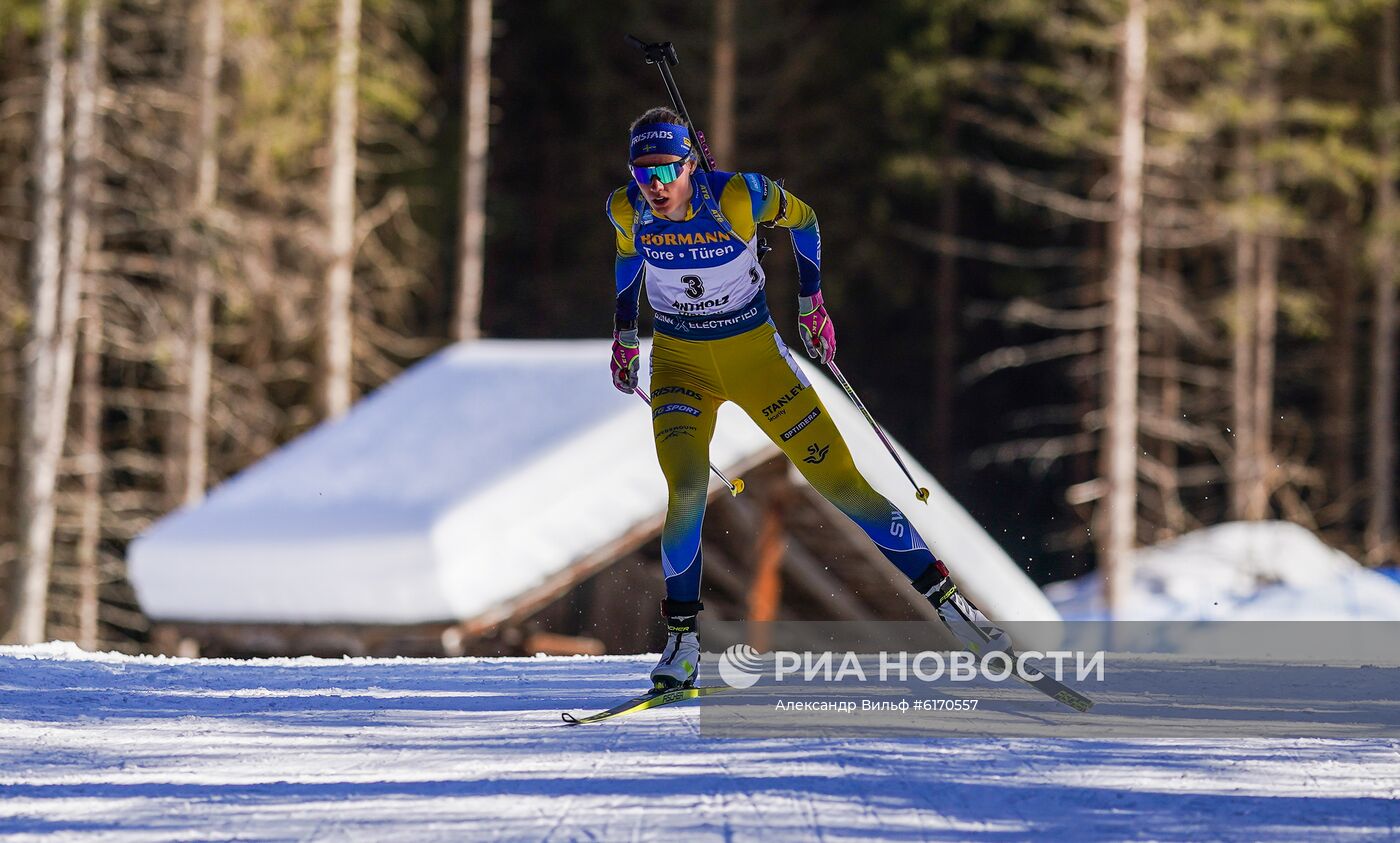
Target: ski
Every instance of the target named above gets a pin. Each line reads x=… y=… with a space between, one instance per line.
x=959 y=615
x=652 y=699
x=1055 y=689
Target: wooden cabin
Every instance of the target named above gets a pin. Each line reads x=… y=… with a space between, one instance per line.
x=501 y=498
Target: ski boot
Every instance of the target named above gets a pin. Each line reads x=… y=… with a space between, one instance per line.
x=964 y=620
x=680 y=659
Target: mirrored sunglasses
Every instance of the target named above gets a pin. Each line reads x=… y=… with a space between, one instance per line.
x=664 y=173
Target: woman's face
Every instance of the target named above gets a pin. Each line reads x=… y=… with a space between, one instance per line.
x=666 y=199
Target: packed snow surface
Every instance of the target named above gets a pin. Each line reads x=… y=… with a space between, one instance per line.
x=1241 y=571
x=115 y=748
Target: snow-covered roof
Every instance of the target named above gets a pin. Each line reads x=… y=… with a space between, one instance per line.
x=474 y=477
x=1245 y=570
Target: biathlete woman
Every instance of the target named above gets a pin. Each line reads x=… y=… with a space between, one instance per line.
x=692 y=236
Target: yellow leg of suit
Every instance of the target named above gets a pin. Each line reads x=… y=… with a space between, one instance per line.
x=690 y=379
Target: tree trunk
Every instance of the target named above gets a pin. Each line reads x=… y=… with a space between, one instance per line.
x=1264 y=472
x=198 y=256
x=1380 y=521
x=945 y=316
x=471 y=234
x=78 y=234
x=1120 y=434
x=1339 y=425
x=1167 y=450
x=90 y=458
x=1242 y=463
x=337 y=319
x=721 y=135
x=1088 y=467
x=78 y=289
x=38 y=456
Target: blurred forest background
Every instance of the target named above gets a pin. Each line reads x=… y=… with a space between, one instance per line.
x=1112 y=269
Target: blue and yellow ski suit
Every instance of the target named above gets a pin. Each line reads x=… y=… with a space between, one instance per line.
x=715 y=342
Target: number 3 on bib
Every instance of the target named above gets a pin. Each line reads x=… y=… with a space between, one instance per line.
x=694 y=287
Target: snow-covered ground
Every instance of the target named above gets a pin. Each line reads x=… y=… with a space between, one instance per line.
x=1240 y=571
x=106 y=747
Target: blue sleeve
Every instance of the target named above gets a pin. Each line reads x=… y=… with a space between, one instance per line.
x=773 y=204
x=628 y=267
x=807 y=247
x=628 y=271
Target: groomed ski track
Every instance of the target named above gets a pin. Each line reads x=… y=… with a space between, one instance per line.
x=114 y=748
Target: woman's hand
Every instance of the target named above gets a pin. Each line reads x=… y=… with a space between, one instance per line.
x=818 y=334
x=625 y=360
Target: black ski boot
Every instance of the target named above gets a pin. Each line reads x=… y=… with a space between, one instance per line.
x=680 y=660
x=964 y=620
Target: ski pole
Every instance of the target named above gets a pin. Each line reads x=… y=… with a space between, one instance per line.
x=734 y=488
x=919 y=491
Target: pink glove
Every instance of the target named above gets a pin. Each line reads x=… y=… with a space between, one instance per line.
x=818 y=334
x=624 y=363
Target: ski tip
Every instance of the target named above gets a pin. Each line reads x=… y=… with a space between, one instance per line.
x=1078 y=702
x=569 y=718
